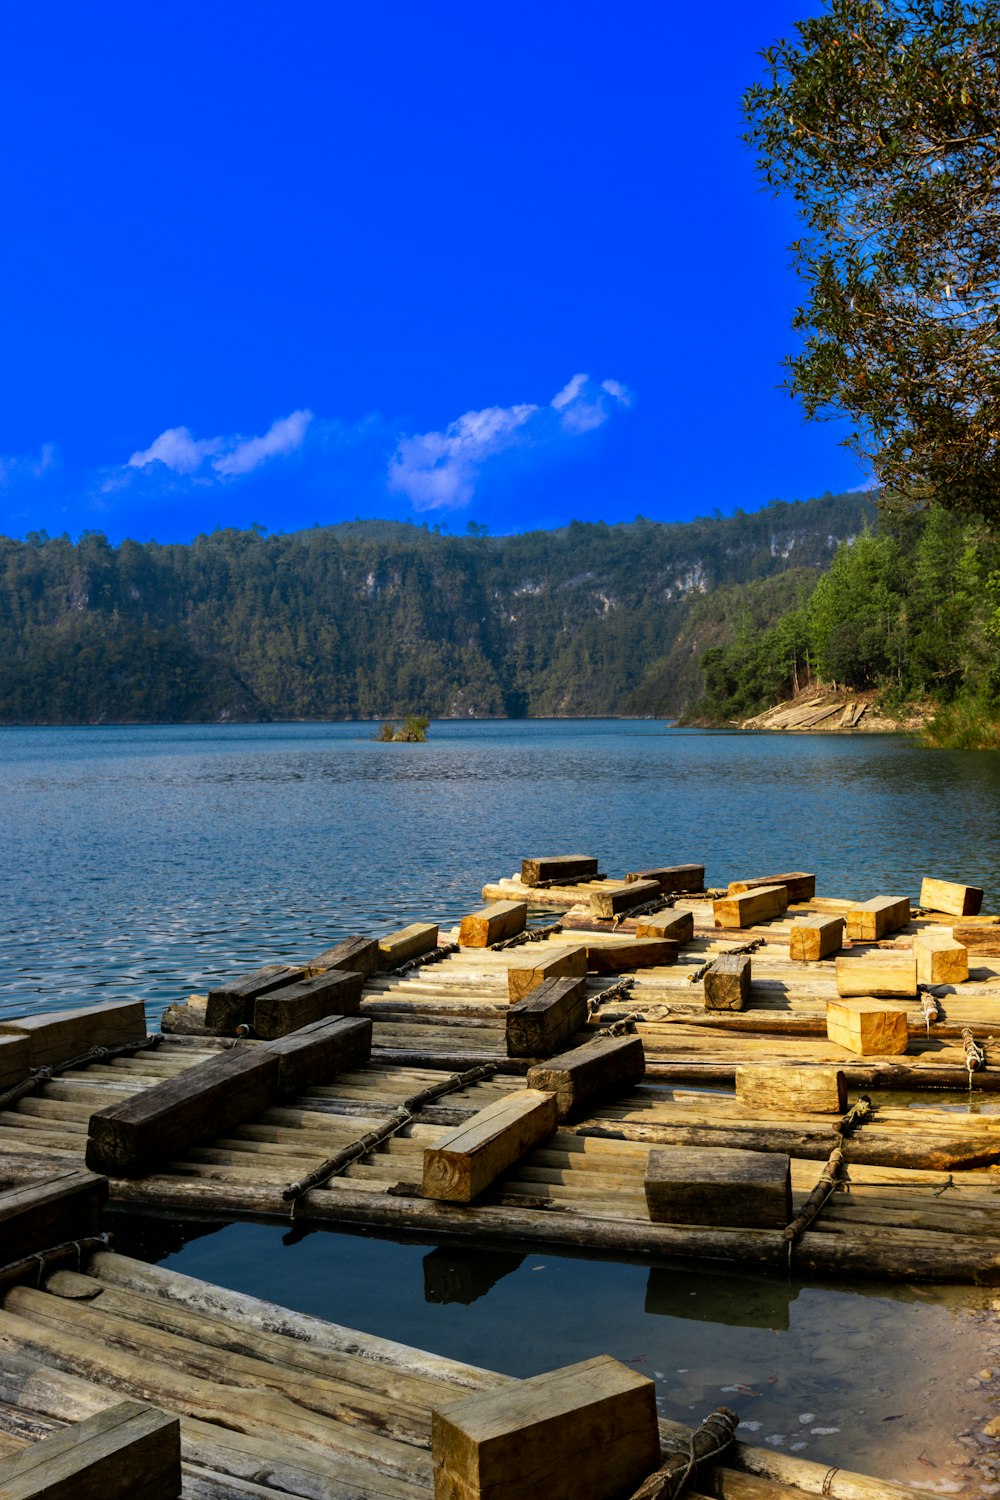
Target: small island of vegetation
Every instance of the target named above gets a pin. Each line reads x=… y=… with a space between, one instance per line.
x=412 y=731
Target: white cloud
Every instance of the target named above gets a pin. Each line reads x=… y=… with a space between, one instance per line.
x=283 y=436
x=178 y=450
x=621 y=393
x=569 y=392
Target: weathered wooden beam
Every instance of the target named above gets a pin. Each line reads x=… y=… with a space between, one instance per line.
x=614 y=900
x=545 y=1018
x=598 y=1070
x=466 y=1161
x=789 y=1090
x=984 y=941
x=813 y=938
x=799 y=885
x=949 y=897
x=409 y=942
x=558 y=867
x=871 y=920
x=719 y=1185
x=317 y=1053
x=883 y=975
x=868 y=1027
x=502 y=919
x=758 y=905
x=136 y=1134
x=622 y=958
x=587 y=1430
x=357 y=955
x=675 y=926
x=672 y=878
x=727 y=982
x=231 y=1004
x=566 y=963
x=941 y=959
x=130 y=1451
x=15 y=1059
x=55 y=1036
x=35 y=1216
x=334 y=993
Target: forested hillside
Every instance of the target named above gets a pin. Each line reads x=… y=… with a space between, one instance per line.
x=372 y=619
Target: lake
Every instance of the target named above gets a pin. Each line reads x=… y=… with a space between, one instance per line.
x=145 y=861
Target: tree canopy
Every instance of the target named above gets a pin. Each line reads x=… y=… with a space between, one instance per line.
x=881 y=119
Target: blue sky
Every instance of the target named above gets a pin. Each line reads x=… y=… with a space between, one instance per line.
x=507 y=262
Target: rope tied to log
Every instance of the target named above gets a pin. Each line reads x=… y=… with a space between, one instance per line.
x=929 y=1005
x=621 y=1025
x=975 y=1056
x=41 y=1261
x=401 y=1116
x=613 y=992
x=748 y=947
x=644 y=909
x=443 y=950
x=39 y=1077
x=708 y=1441
x=529 y=935
x=545 y=885
x=832 y=1176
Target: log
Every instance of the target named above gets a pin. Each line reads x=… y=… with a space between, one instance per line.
x=941 y=959
x=869 y=921
x=15 y=1060
x=674 y=926
x=614 y=900
x=564 y=963
x=890 y=975
x=758 y=905
x=587 y=1430
x=559 y=867
x=164 y=1121
x=813 y=938
x=789 y=1090
x=56 y=1036
x=718 y=1185
x=672 y=878
x=727 y=982
x=598 y=1070
x=128 y=1452
x=502 y=919
x=409 y=942
x=230 y=1005
x=623 y=958
x=547 y=1017
x=800 y=886
x=317 y=1053
x=868 y=1027
x=984 y=941
x=35 y=1216
x=334 y=993
x=946 y=896
x=358 y=955
x=469 y=1159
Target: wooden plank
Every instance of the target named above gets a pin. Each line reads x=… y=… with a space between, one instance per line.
x=598 y=1070
x=791 y=1090
x=55 y=1036
x=871 y=920
x=558 y=867
x=547 y=1017
x=813 y=938
x=466 y=1161
x=130 y=1451
x=523 y=977
x=871 y=1028
x=161 y=1122
x=982 y=940
x=671 y=878
x=675 y=926
x=947 y=896
x=587 y=1430
x=334 y=993
x=719 y=1185
x=231 y=1004
x=39 y=1215
x=502 y=919
x=317 y=1053
x=941 y=959
x=358 y=955
x=613 y=900
x=623 y=958
x=408 y=942
x=746 y=910
x=888 y=975
x=15 y=1059
x=727 y=982
x=799 y=885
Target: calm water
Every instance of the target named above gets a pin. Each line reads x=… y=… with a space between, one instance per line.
x=143 y=862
